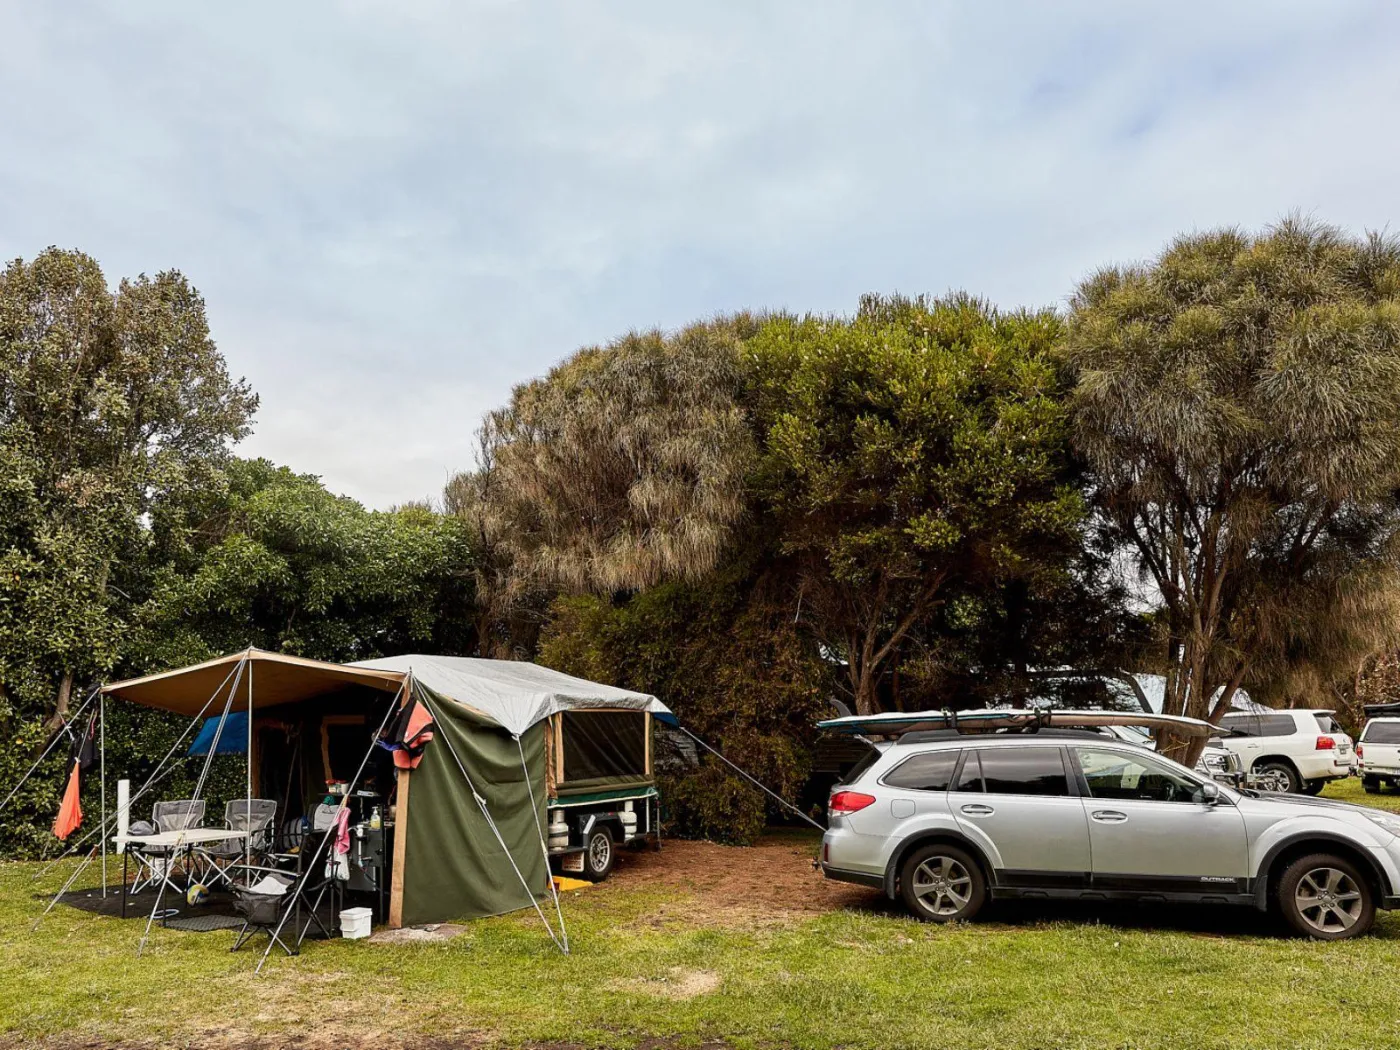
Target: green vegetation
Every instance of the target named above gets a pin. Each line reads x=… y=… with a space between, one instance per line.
x=643 y=966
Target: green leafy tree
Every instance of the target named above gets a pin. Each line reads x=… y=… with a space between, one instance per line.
x=275 y=561
x=913 y=453
x=1239 y=401
x=111 y=402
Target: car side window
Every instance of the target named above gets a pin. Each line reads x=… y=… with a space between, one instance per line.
x=1251 y=724
x=928 y=772
x=970 y=778
x=1024 y=771
x=1133 y=778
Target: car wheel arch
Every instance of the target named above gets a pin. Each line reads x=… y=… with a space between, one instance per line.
x=1285 y=851
x=1282 y=760
x=929 y=838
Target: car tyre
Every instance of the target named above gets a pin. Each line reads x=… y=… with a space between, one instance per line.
x=1284 y=776
x=599 y=855
x=1371 y=785
x=1313 y=787
x=1325 y=897
x=941 y=883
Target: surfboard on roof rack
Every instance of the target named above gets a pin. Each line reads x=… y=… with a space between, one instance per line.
x=988 y=719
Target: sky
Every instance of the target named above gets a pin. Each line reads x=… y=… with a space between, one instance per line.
x=398 y=211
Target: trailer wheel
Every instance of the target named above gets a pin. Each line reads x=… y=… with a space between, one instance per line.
x=598 y=855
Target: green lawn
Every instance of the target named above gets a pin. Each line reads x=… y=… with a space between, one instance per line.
x=1024 y=977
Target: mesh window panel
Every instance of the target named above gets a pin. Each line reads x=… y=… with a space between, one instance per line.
x=604 y=744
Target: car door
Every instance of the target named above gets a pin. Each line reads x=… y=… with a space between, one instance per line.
x=1021 y=800
x=1149 y=830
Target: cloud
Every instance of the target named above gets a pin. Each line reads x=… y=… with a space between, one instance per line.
x=396 y=212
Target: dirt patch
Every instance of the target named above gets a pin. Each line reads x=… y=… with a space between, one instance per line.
x=731 y=886
x=678 y=983
x=440 y=931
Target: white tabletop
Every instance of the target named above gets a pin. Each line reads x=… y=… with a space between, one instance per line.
x=188 y=837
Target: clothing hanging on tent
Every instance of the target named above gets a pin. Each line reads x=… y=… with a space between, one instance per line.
x=408 y=734
x=80 y=758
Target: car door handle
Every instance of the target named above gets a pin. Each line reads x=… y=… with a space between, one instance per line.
x=978 y=810
x=1108 y=816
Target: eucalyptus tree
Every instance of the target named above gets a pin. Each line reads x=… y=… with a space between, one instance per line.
x=111 y=401
x=913 y=454
x=1238 y=398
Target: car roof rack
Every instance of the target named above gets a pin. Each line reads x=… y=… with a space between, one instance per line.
x=983 y=720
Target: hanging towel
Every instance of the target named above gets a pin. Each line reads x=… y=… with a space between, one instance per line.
x=407 y=734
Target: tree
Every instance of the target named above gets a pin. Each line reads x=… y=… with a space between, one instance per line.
x=275 y=561
x=1239 y=401
x=911 y=453
x=110 y=403
x=625 y=465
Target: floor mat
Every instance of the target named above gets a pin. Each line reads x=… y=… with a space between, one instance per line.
x=205 y=923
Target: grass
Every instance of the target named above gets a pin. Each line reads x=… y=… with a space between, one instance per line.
x=1026 y=977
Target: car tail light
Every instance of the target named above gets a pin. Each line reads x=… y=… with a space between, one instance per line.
x=1326 y=743
x=849 y=801
x=1359 y=752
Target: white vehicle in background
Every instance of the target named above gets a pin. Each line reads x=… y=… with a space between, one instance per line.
x=1378 y=754
x=1296 y=751
x=1217 y=761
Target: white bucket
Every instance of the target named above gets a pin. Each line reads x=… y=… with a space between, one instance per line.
x=355 y=923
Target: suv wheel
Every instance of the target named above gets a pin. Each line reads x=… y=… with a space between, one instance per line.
x=1279 y=776
x=1314 y=787
x=598 y=855
x=942 y=884
x=1323 y=896
x=1371 y=785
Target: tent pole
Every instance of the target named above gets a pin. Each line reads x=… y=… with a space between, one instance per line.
x=102 y=778
x=248 y=838
x=544 y=847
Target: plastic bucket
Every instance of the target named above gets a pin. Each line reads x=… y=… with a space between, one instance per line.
x=355 y=923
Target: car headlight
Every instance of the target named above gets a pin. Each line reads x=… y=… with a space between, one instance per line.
x=1388 y=821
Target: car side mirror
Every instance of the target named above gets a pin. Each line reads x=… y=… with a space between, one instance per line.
x=1208 y=793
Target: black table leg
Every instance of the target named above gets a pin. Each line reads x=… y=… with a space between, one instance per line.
x=125 y=853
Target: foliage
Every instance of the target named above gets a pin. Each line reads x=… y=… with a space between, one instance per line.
x=1239 y=400
x=912 y=452
x=111 y=402
x=275 y=561
x=621 y=468
x=728 y=660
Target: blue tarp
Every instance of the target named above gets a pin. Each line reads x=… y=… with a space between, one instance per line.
x=232 y=741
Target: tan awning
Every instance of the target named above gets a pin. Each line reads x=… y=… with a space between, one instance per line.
x=276 y=677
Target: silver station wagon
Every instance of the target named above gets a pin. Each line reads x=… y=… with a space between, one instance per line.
x=946 y=820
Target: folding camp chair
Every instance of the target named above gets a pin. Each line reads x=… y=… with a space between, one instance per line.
x=254 y=817
x=158 y=862
x=261 y=906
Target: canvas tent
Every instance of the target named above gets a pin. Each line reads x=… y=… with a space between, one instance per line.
x=468 y=820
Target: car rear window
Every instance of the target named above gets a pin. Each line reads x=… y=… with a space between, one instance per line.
x=862 y=764
x=1328 y=724
x=1261 y=724
x=928 y=772
x=1381 y=733
x=1021 y=771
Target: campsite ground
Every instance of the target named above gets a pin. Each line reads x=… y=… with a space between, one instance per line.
x=714 y=946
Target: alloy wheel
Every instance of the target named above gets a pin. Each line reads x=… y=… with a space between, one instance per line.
x=1329 y=900
x=599 y=852
x=942 y=885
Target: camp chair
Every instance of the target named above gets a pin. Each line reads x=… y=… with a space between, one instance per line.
x=254 y=816
x=158 y=862
x=261 y=905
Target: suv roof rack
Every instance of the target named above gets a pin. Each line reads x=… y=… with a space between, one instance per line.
x=1029 y=720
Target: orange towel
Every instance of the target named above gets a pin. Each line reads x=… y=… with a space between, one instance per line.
x=70 y=812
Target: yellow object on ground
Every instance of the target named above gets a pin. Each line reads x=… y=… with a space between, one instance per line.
x=563 y=883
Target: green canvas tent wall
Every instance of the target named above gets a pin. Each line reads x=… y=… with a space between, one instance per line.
x=488 y=752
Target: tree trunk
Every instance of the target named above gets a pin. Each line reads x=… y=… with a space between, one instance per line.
x=60 y=707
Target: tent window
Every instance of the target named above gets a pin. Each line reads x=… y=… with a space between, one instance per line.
x=344 y=739
x=604 y=744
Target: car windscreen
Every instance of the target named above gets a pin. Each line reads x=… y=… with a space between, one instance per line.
x=1381 y=733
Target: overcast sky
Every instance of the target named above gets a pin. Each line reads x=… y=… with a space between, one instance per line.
x=397 y=211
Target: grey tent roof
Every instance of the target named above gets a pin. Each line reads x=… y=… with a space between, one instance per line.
x=515 y=693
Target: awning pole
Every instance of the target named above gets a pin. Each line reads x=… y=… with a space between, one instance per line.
x=544 y=848
x=102 y=777
x=248 y=812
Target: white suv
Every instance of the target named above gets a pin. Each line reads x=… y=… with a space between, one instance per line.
x=1378 y=754
x=1296 y=751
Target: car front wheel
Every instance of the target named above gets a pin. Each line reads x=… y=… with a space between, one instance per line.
x=942 y=884
x=1278 y=776
x=1325 y=897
